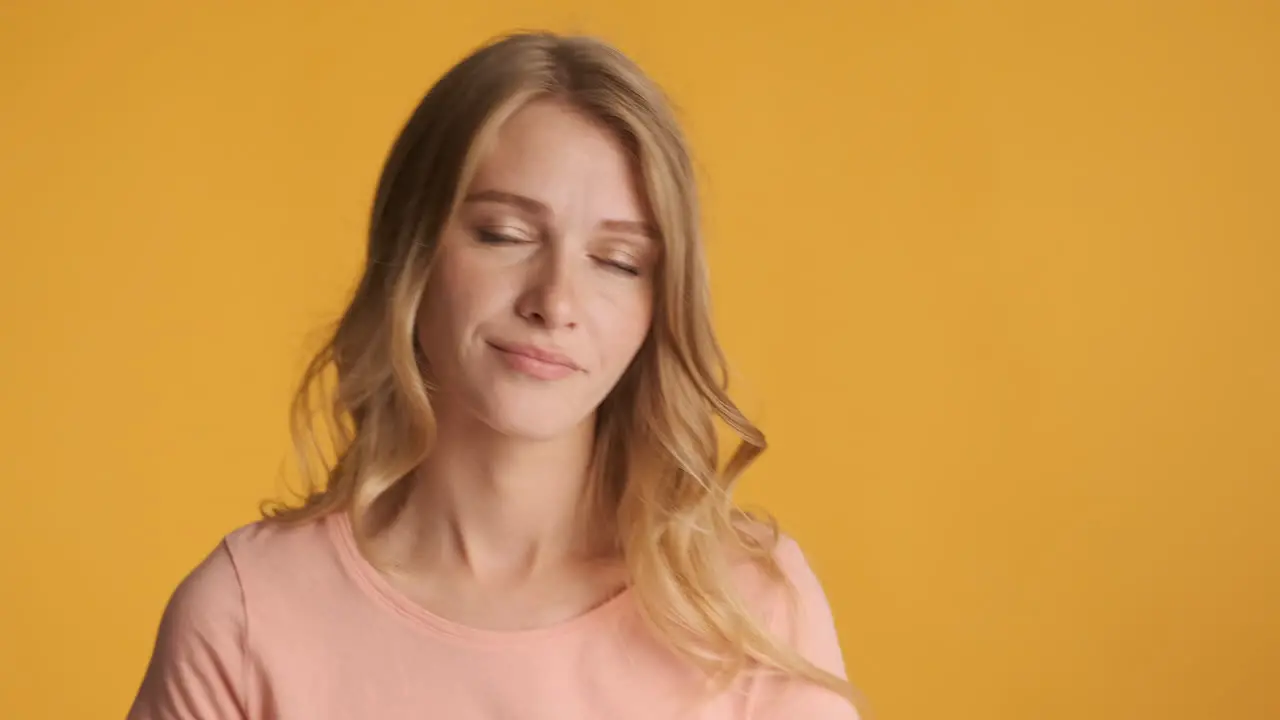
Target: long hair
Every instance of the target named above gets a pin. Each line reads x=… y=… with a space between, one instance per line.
x=362 y=416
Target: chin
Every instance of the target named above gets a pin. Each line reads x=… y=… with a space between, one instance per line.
x=536 y=421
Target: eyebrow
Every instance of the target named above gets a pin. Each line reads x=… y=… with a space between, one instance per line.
x=533 y=207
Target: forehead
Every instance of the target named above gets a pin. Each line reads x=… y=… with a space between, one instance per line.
x=564 y=159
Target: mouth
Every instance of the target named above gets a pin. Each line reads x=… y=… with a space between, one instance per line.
x=541 y=363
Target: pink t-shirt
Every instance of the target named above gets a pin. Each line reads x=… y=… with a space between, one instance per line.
x=294 y=624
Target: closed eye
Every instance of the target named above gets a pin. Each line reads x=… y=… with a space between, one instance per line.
x=622 y=267
x=490 y=237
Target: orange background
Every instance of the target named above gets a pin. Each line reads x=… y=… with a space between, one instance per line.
x=1001 y=282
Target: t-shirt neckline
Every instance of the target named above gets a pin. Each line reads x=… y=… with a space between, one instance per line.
x=382 y=591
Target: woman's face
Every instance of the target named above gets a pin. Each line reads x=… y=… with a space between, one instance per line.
x=542 y=291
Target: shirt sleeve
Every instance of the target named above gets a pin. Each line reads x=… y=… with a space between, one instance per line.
x=196 y=667
x=807 y=624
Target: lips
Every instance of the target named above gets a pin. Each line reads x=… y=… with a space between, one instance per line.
x=537 y=362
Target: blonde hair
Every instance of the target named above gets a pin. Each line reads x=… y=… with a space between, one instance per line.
x=362 y=417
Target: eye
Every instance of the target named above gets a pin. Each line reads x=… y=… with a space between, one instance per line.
x=620 y=266
x=493 y=237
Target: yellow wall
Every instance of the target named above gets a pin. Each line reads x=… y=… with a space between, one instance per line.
x=1003 y=285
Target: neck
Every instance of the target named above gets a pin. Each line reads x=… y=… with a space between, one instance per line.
x=494 y=506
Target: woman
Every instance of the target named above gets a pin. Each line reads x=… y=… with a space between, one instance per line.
x=524 y=516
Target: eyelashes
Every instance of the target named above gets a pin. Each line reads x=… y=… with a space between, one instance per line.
x=495 y=238
x=622 y=267
x=489 y=237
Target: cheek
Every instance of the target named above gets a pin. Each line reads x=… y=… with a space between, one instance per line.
x=467 y=281
x=454 y=300
x=624 y=329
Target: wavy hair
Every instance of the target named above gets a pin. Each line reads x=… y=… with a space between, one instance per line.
x=362 y=416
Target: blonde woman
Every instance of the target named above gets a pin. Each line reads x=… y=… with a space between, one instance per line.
x=521 y=513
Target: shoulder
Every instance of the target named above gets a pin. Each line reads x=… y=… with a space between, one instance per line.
x=198 y=666
x=781 y=574
x=287 y=569
x=801 y=613
x=794 y=564
x=211 y=599
x=272 y=545
x=792 y=606
x=802 y=583
x=785 y=588
x=195 y=666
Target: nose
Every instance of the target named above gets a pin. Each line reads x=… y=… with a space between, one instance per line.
x=550 y=299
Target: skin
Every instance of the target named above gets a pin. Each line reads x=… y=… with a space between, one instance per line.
x=549 y=251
